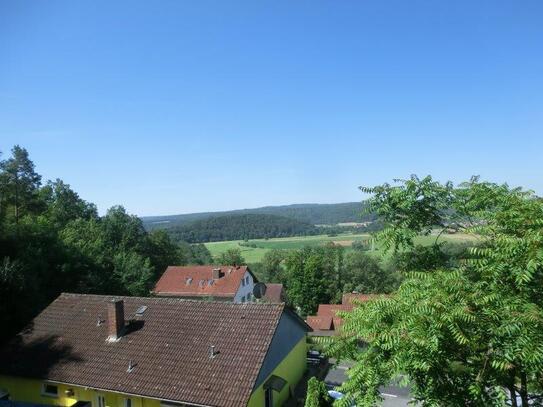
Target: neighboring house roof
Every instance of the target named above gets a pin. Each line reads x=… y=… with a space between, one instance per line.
x=195 y=281
x=327 y=318
x=320 y=323
x=168 y=346
x=274 y=293
x=331 y=310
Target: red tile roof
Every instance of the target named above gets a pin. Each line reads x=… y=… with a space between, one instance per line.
x=274 y=293
x=320 y=323
x=195 y=281
x=328 y=312
x=169 y=346
x=331 y=310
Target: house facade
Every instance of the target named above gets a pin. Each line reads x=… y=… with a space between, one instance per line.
x=219 y=283
x=101 y=351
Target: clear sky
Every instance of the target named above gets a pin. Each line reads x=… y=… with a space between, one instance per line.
x=183 y=106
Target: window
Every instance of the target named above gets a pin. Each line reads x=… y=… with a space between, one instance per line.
x=127 y=402
x=243 y=283
x=247 y=280
x=49 y=390
x=243 y=299
x=100 y=401
x=268 y=398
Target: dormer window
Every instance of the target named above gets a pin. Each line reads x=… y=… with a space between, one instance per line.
x=188 y=280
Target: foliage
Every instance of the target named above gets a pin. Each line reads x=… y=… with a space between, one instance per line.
x=241 y=227
x=51 y=241
x=461 y=329
x=317 y=396
x=194 y=254
x=364 y=273
x=232 y=257
x=272 y=270
x=311 y=277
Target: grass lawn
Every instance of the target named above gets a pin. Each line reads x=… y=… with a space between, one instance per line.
x=255 y=254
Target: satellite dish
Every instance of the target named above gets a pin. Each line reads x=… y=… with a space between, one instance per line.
x=259 y=290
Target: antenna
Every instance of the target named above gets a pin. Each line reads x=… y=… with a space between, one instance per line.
x=259 y=290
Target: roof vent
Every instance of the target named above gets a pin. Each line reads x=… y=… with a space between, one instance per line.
x=188 y=280
x=141 y=310
x=202 y=283
x=213 y=352
x=210 y=282
x=131 y=366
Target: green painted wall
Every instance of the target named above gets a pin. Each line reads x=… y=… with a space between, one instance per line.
x=291 y=369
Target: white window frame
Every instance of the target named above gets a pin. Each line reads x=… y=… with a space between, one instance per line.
x=45 y=393
x=100 y=400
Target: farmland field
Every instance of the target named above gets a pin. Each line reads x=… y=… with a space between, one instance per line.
x=255 y=254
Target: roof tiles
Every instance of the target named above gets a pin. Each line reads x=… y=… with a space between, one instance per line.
x=198 y=281
x=169 y=347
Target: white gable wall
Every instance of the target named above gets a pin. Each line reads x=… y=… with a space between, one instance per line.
x=245 y=289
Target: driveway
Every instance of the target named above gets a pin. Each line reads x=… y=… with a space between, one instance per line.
x=394 y=396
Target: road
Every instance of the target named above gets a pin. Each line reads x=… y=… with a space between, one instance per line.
x=394 y=396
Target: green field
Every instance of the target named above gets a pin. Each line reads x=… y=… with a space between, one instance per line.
x=255 y=254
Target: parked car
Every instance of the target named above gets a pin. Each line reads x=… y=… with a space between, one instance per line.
x=337 y=395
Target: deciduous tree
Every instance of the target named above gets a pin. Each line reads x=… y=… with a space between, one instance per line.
x=467 y=332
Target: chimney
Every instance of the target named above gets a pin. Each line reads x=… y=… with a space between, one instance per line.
x=115 y=320
x=217 y=274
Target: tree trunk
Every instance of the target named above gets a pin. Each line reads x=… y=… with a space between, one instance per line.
x=523 y=389
x=513 y=395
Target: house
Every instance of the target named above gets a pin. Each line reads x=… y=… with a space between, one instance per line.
x=274 y=293
x=220 y=283
x=104 y=351
x=327 y=321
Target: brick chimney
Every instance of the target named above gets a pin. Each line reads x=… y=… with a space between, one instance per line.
x=115 y=320
x=217 y=274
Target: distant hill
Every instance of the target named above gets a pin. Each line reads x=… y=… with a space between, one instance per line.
x=240 y=227
x=315 y=214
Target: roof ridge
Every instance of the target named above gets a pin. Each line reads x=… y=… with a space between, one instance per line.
x=170 y=299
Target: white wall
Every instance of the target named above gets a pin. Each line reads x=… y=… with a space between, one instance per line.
x=243 y=290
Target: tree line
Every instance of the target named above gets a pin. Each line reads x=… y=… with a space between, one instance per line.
x=241 y=227
x=314 y=214
x=52 y=241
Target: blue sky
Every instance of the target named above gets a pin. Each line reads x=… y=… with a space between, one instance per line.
x=176 y=106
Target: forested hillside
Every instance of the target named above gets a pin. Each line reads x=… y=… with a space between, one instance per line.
x=315 y=214
x=52 y=241
x=240 y=227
